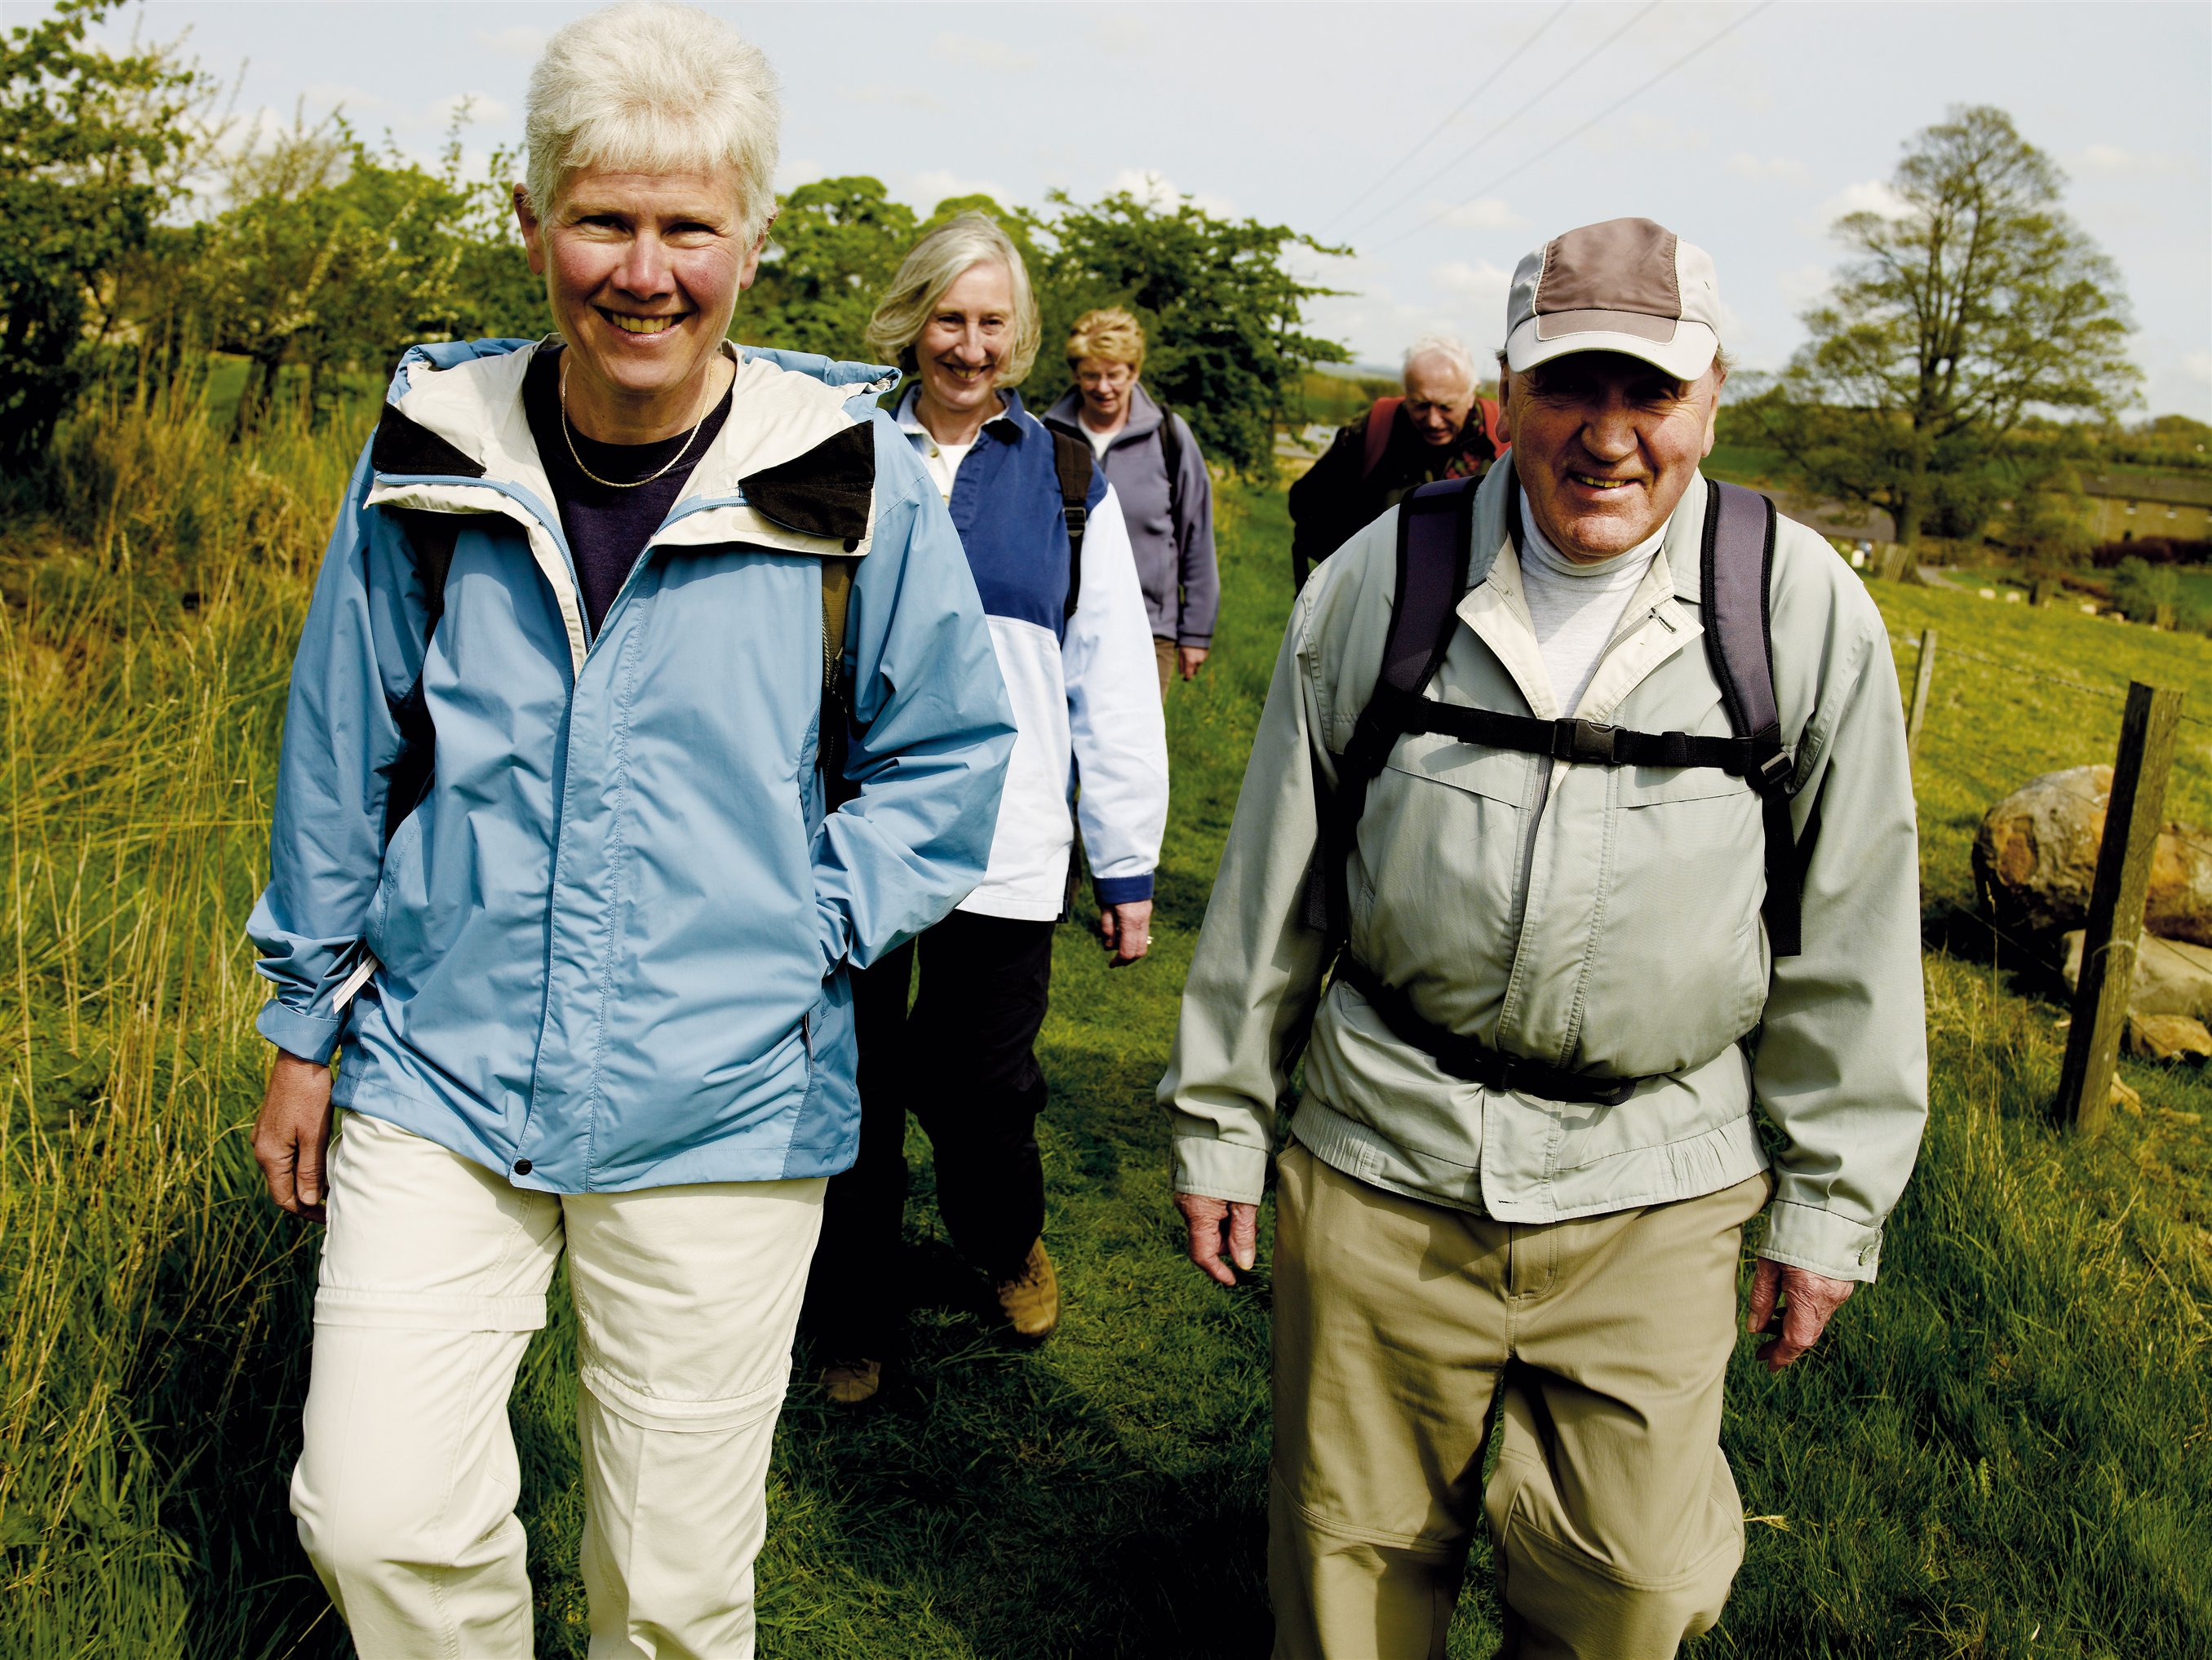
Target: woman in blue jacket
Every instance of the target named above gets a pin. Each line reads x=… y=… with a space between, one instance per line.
x=1072 y=640
x=554 y=867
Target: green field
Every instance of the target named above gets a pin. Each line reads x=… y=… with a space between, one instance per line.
x=2005 y=1449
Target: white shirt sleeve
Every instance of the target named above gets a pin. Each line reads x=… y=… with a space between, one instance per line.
x=1116 y=723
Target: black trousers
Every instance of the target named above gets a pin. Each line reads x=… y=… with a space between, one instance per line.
x=963 y=1061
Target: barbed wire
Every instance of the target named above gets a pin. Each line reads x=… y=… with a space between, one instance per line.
x=2031 y=671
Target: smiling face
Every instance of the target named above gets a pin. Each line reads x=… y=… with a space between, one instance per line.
x=1105 y=387
x=642 y=271
x=1605 y=444
x=960 y=348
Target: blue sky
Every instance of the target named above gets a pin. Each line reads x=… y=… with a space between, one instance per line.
x=1782 y=116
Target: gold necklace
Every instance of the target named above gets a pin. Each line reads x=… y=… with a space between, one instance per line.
x=616 y=484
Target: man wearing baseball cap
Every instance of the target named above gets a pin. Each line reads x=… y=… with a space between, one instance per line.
x=1625 y=864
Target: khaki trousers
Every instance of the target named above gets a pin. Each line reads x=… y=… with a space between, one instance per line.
x=1615 y=1522
x=433 y=1275
x=1163 y=651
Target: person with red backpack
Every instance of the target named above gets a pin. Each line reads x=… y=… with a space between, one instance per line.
x=1441 y=428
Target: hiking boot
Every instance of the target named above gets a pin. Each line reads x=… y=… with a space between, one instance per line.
x=1031 y=1298
x=852 y=1383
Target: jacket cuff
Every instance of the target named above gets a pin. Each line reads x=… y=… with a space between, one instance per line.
x=1203 y=642
x=1821 y=1241
x=311 y=1037
x=1215 y=1169
x=1122 y=890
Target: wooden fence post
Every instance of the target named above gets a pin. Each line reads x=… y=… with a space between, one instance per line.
x=2132 y=816
x=1921 y=679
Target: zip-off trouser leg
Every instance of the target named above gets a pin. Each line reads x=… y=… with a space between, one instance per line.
x=1612 y=1512
x=433 y=1274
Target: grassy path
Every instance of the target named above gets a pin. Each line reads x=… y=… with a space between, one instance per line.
x=2006 y=1451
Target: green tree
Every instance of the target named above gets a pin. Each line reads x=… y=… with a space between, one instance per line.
x=834 y=247
x=93 y=148
x=1224 y=317
x=1976 y=302
x=332 y=255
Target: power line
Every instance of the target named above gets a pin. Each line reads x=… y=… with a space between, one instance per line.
x=1638 y=91
x=1461 y=109
x=1571 y=70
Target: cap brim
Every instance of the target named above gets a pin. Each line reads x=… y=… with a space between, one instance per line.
x=1686 y=356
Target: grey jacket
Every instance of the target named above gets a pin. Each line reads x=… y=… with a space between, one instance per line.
x=1606 y=920
x=1174 y=553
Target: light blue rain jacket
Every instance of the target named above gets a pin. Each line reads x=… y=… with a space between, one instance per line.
x=607 y=949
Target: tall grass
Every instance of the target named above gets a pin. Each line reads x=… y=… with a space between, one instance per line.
x=2004 y=1450
x=152 y=1309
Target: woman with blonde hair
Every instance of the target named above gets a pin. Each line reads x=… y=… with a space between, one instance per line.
x=1043 y=534
x=559 y=863
x=1148 y=453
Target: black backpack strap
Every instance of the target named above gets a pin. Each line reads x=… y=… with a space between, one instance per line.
x=1436 y=536
x=833 y=732
x=431 y=537
x=1071 y=462
x=1739 y=566
x=1171 y=453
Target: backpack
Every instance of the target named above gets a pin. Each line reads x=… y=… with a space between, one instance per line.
x=1384 y=415
x=1437 y=563
x=433 y=535
x=1071 y=465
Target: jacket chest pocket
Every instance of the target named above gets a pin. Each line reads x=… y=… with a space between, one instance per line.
x=1677 y=967
x=1439 y=856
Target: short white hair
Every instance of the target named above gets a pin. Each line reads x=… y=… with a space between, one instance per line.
x=653 y=88
x=1446 y=346
x=937 y=261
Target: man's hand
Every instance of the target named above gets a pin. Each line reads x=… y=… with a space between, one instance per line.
x=1209 y=1219
x=293 y=1133
x=1807 y=1301
x=1126 y=930
x=1187 y=658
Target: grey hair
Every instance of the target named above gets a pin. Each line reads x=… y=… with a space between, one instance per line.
x=1446 y=346
x=656 y=87
x=933 y=265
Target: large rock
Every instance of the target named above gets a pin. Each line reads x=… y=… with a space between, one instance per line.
x=2168 y=1038
x=2172 y=977
x=2035 y=860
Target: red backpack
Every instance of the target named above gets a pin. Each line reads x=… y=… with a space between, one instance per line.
x=1384 y=415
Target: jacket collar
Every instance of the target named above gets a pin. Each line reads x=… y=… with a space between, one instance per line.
x=1005 y=426
x=794 y=453
x=1144 y=417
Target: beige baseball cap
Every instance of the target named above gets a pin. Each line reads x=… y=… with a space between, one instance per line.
x=1626 y=285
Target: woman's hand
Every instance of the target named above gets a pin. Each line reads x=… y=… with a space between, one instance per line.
x=292 y=1135
x=1126 y=930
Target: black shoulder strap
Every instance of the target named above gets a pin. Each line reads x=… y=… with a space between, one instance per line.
x=1739 y=566
x=1436 y=565
x=431 y=537
x=1171 y=453
x=1070 y=461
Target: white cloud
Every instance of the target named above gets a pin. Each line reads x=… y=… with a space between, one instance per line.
x=794 y=172
x=897 y=98
x=977 y=53
x=483 y=110
x=939 y=183
x=1871 y=195
x=1121 y=34
x=1485 y=213
x=2112 y=158
x=2198 y=366
x=1779 y=169
x=515 y=40
x=1478 y=288
x=1804 y=286
x=1157 y=191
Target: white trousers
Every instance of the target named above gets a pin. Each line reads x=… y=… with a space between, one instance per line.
x=433 y=1275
